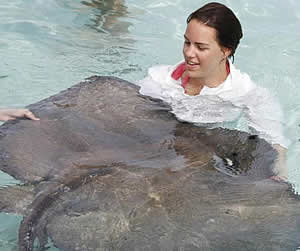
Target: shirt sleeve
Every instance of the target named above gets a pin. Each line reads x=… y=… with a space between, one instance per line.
x=265 y=116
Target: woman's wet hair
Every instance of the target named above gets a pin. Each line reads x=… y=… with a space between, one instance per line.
x=222 y=19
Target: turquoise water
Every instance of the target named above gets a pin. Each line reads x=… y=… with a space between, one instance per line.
x=47 y=46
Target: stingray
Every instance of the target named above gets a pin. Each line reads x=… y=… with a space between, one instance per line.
x=109 y=169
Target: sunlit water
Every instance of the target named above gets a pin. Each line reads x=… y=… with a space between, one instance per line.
x=47 y=46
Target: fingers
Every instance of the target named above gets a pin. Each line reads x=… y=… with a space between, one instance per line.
x=279 y=178
x=28 y=114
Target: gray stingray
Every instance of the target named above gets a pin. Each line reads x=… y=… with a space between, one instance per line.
x=109 y=169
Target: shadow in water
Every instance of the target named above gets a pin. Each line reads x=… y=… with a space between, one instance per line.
x=107 y=18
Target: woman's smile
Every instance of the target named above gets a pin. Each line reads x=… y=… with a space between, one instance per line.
x=191 y=66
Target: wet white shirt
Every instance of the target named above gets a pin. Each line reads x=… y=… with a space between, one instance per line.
x=237 y=103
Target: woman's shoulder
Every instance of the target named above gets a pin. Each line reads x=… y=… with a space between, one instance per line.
x=251 y=94
x=241 y=79
x=243 y=85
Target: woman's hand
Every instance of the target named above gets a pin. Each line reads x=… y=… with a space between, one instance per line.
x=280 y=169
x=9 y=114
x=279 y=178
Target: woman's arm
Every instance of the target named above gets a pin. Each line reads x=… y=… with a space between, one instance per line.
x=266 y=119
x=280 y=169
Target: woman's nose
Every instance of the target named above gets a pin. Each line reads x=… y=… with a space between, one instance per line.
x=190 y=51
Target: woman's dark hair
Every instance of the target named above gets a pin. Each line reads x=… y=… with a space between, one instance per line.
x=227 y=26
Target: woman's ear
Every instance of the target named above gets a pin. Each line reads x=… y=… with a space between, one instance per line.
x=226 y=51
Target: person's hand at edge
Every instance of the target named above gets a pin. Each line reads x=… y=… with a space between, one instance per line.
x=10 y=114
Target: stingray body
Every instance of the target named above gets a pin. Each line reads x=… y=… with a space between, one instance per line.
x=108 y=169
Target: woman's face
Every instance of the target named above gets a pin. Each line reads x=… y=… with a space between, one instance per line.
x=202 y=53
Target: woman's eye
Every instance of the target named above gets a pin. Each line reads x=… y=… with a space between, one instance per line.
x=201 y=48
x=187 y=42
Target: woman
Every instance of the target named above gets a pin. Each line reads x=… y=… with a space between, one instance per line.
x=9 y=114
x=207 y=88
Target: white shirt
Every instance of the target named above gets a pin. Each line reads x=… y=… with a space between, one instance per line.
x=237 y=103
